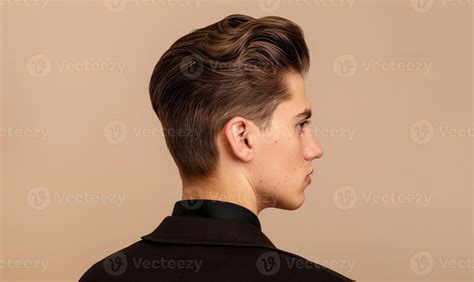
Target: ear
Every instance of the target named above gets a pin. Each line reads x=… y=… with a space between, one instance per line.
x=240 y=138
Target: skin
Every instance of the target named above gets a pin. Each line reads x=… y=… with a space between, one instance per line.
x=261 y=169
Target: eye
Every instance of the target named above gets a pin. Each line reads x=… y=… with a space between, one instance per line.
x=304 y=123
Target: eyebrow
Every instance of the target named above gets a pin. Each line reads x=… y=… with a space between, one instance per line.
x=306 y=113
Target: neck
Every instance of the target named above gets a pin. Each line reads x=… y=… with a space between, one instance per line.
x=237 y=192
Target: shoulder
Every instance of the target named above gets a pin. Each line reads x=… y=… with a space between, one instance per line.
x=268 y=264
x=111 y=267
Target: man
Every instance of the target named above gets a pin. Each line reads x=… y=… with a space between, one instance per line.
x=230 y=97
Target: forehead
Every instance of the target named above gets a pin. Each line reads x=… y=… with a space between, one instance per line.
x=298 y=101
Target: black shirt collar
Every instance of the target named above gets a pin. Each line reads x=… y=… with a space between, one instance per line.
x=215 y=209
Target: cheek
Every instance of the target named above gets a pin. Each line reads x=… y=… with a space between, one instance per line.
x=280 y=161
x=282 y=151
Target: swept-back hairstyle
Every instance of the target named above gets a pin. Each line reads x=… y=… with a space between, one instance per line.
x=234 y=67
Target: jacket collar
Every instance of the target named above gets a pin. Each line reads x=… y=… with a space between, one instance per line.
x=215 y=209
x=208 y=231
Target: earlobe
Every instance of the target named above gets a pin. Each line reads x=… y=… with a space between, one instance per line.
x=237 y=135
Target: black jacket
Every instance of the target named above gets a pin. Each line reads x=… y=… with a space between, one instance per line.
x=218 y=241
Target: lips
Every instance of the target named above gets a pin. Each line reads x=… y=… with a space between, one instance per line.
x=308 y=177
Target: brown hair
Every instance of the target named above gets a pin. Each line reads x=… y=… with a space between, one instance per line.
x=234 y=67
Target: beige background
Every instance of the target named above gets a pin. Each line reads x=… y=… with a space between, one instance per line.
x=412 y=134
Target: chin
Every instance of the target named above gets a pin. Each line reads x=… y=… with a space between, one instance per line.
x=292 y=204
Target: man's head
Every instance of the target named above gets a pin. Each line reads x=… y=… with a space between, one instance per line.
x=232 y=92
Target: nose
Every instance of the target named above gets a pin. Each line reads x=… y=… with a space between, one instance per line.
x=313 y=150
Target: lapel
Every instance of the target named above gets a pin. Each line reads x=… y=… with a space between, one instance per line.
x=208 y=231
